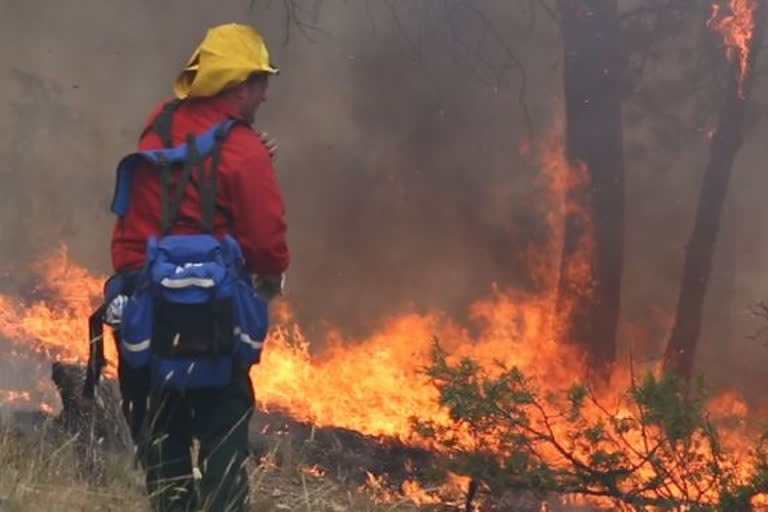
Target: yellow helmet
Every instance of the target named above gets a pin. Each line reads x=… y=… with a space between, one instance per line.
x=228 y=55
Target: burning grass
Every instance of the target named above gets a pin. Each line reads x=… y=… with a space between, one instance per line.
x=378 y=384
x=373 y=385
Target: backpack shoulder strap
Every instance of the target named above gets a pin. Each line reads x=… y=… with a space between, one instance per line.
x=172 y=203
x=208 y=182
x=162 y=124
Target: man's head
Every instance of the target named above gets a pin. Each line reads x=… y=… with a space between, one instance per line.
x=233 y=60
x=248 y=96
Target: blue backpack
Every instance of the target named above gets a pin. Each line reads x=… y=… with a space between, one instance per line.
x=191 y=315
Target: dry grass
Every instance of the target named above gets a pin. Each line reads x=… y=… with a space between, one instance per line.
x=284 y=481
x=39 y=472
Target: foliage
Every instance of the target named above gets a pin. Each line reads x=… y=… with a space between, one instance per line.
x=656 y=449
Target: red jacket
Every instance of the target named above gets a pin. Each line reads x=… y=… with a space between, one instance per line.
x=249 y=202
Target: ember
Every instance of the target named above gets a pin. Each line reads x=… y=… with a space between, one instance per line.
x=14 y=398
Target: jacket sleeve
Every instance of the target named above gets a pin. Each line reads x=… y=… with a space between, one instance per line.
x=258 y=213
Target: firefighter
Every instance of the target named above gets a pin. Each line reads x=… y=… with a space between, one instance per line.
x=199 y=248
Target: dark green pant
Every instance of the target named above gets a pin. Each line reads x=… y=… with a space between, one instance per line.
x=218 y=419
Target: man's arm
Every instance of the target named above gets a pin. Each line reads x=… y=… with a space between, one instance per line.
x=258 y=213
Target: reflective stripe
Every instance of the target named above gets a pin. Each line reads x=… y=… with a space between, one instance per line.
x=136 y=347
x=256 y=345
x=186 y=282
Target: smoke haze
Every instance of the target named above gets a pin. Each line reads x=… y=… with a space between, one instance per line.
x=400 y=132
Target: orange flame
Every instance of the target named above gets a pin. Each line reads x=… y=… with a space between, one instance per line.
x=737 y=30
x=57 y=328
x=374 y=385
x=361 y=384
x=452 y=492
x=418 y=495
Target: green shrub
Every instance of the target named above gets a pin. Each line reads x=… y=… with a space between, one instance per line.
x=656 y=449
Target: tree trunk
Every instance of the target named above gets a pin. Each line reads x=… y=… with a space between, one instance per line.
x=588 y=301
x=726 y=142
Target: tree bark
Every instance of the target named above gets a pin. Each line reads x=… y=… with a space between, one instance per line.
x=588 y=302
x=726 y=142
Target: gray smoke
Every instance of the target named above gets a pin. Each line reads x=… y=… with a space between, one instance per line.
x=399 y=125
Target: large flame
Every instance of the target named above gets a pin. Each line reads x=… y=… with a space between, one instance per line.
x=374 y=385
x=737 y=29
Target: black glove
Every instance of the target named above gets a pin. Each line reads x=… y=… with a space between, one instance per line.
x=270 y=286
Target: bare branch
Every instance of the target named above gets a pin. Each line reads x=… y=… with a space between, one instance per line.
x=512 y=58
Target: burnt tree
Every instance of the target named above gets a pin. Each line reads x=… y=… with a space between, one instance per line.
x=594 y=223
x=727 y=139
